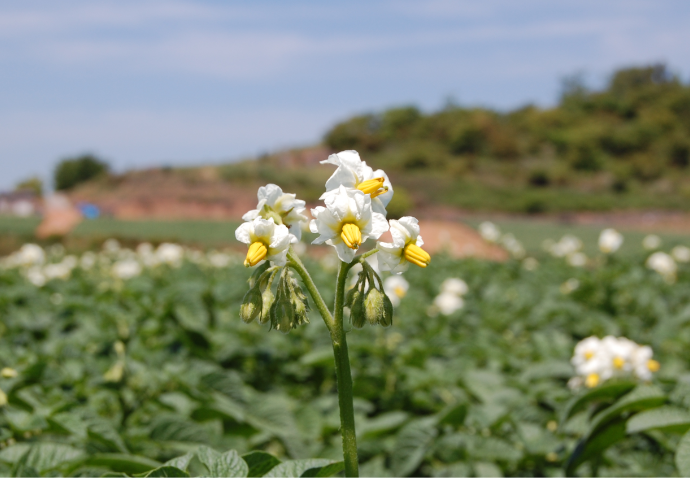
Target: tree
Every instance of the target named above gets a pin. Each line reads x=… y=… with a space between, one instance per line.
x=73 y=171
x=34 y=184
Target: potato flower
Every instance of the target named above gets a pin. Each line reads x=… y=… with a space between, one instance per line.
x=267 y=241
x=663 y=264
x=353 y=173
x=405 y=248
x=346 y=222
x=395 y=288
x=681 y=254
x=610 y=241
x=283 y=207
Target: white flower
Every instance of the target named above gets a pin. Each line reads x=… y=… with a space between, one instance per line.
x=610 y=241
x=663 y=264
x=651 y=242
x=30 y=255
x=395 y=288
x=577 y=259
x=569 y=286
x=126 y=269
x=681 y=253
x=489 y=231
x=405 y=248
x=88 y=260
x=346 y=222
x=353 y=173
x=643 y=364
x=266 y=240
x=36 y=276
x=171 y=254
x=273 y=202
x=111 y=246
x=620 y=351
x=454 y=286
x=566 y=246
x=218 y=260
x=447 y=303
x=530 y=264
x=513 y=246
x=57 y=271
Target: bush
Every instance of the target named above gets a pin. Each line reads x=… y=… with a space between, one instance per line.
x=73 y=171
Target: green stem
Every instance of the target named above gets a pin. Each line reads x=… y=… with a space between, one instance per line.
x=344 y=377
x=321 y=306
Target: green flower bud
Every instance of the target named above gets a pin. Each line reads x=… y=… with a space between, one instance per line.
x=373 y=306
x=251 y=305
x=283 y=314
x=357 y=311
x=387 y=317
x=350 y=297
x=267 y=297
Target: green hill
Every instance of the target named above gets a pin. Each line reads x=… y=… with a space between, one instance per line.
x=626 y=146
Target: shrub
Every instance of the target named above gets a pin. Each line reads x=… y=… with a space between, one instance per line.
x=73 y=171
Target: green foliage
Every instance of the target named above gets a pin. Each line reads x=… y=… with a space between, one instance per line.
x=34 y=184
x=479 y=392
x=73 y=171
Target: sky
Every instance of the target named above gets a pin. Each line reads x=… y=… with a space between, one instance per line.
x=150 y=83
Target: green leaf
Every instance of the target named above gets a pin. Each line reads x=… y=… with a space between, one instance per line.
x=608 y=391
x=103 y=432
x=453 y=415
x=668 y=419
x=683 y=455
x=382 y=423
x=595 y=446
x=412 y=444
x=641 y=398
x=166 y=471
x=259 y=463
x=13 y=453
x=228 y=464
x=487 y=469
x=130 y=464
x=181 y=462
x=295 y=468
x=323 y=471
x=47 y=456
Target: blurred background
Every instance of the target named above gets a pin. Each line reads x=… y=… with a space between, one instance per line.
x=540 y=116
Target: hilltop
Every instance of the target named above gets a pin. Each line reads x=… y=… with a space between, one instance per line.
x=623 y=147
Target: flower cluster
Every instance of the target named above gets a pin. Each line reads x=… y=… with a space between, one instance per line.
x=491 y=233
x=451 y=297
x=597 y=360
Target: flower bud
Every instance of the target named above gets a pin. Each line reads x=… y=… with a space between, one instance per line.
x=282 y=314
x=251 y=305
x=357 y=311
x=387 y=317
x=267 y=298
x=351 y=296
x=373 y=306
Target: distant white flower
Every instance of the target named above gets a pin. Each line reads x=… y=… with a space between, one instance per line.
x=87 y=261
x=663 y=264
x=273 y=202
x=346 y=222
x=57 y=271
x=30 y=255
x=489 y=231
x=577 y=259
x=448 y=303
x=266 y=240
x=513 y=246
x=610 y=241
x=530 y=264
x=643 y=364
x=569 y=286
x=171 y=254
x=111 y=246
x=395 y=288
x=455 y=286
x=353 y=173
x=681 y=253
x=145 y=249
x=405 y=248
x=218 y=260
x=651 y=242
x=567 y=246
x=36 y=276
x=126 y=269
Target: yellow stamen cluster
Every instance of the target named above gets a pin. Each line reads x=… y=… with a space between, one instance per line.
x=653 y=366
x=351 y=235
x=256 y=253
x=416 y=255
x=589 y=354
x=618 y=363
x=592 y=380
x=373 y=187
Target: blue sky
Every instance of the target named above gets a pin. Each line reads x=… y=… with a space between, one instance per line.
x=145 y=83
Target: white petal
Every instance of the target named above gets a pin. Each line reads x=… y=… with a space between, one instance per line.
x=343 y=176
x=245 y=232
x=419 y=242
x=251 y=215
x=411 y=224
x=278 y=259
x=345 y=254
x=379 y=225
x=270 y=192
x=263 y=228
x=280 y=239
x=296 y=231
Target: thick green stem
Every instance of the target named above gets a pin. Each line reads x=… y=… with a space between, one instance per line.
x=344 y=377
x=342 y=360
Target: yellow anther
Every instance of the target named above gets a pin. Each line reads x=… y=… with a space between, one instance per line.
x=351 y=235
x=400 y=291
x=256 y=253
x=653 y=365
x=373 y=187
x=8 y=372
x=618 y=363
x=589 y=354
x=416 y=255
x=592 y=380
